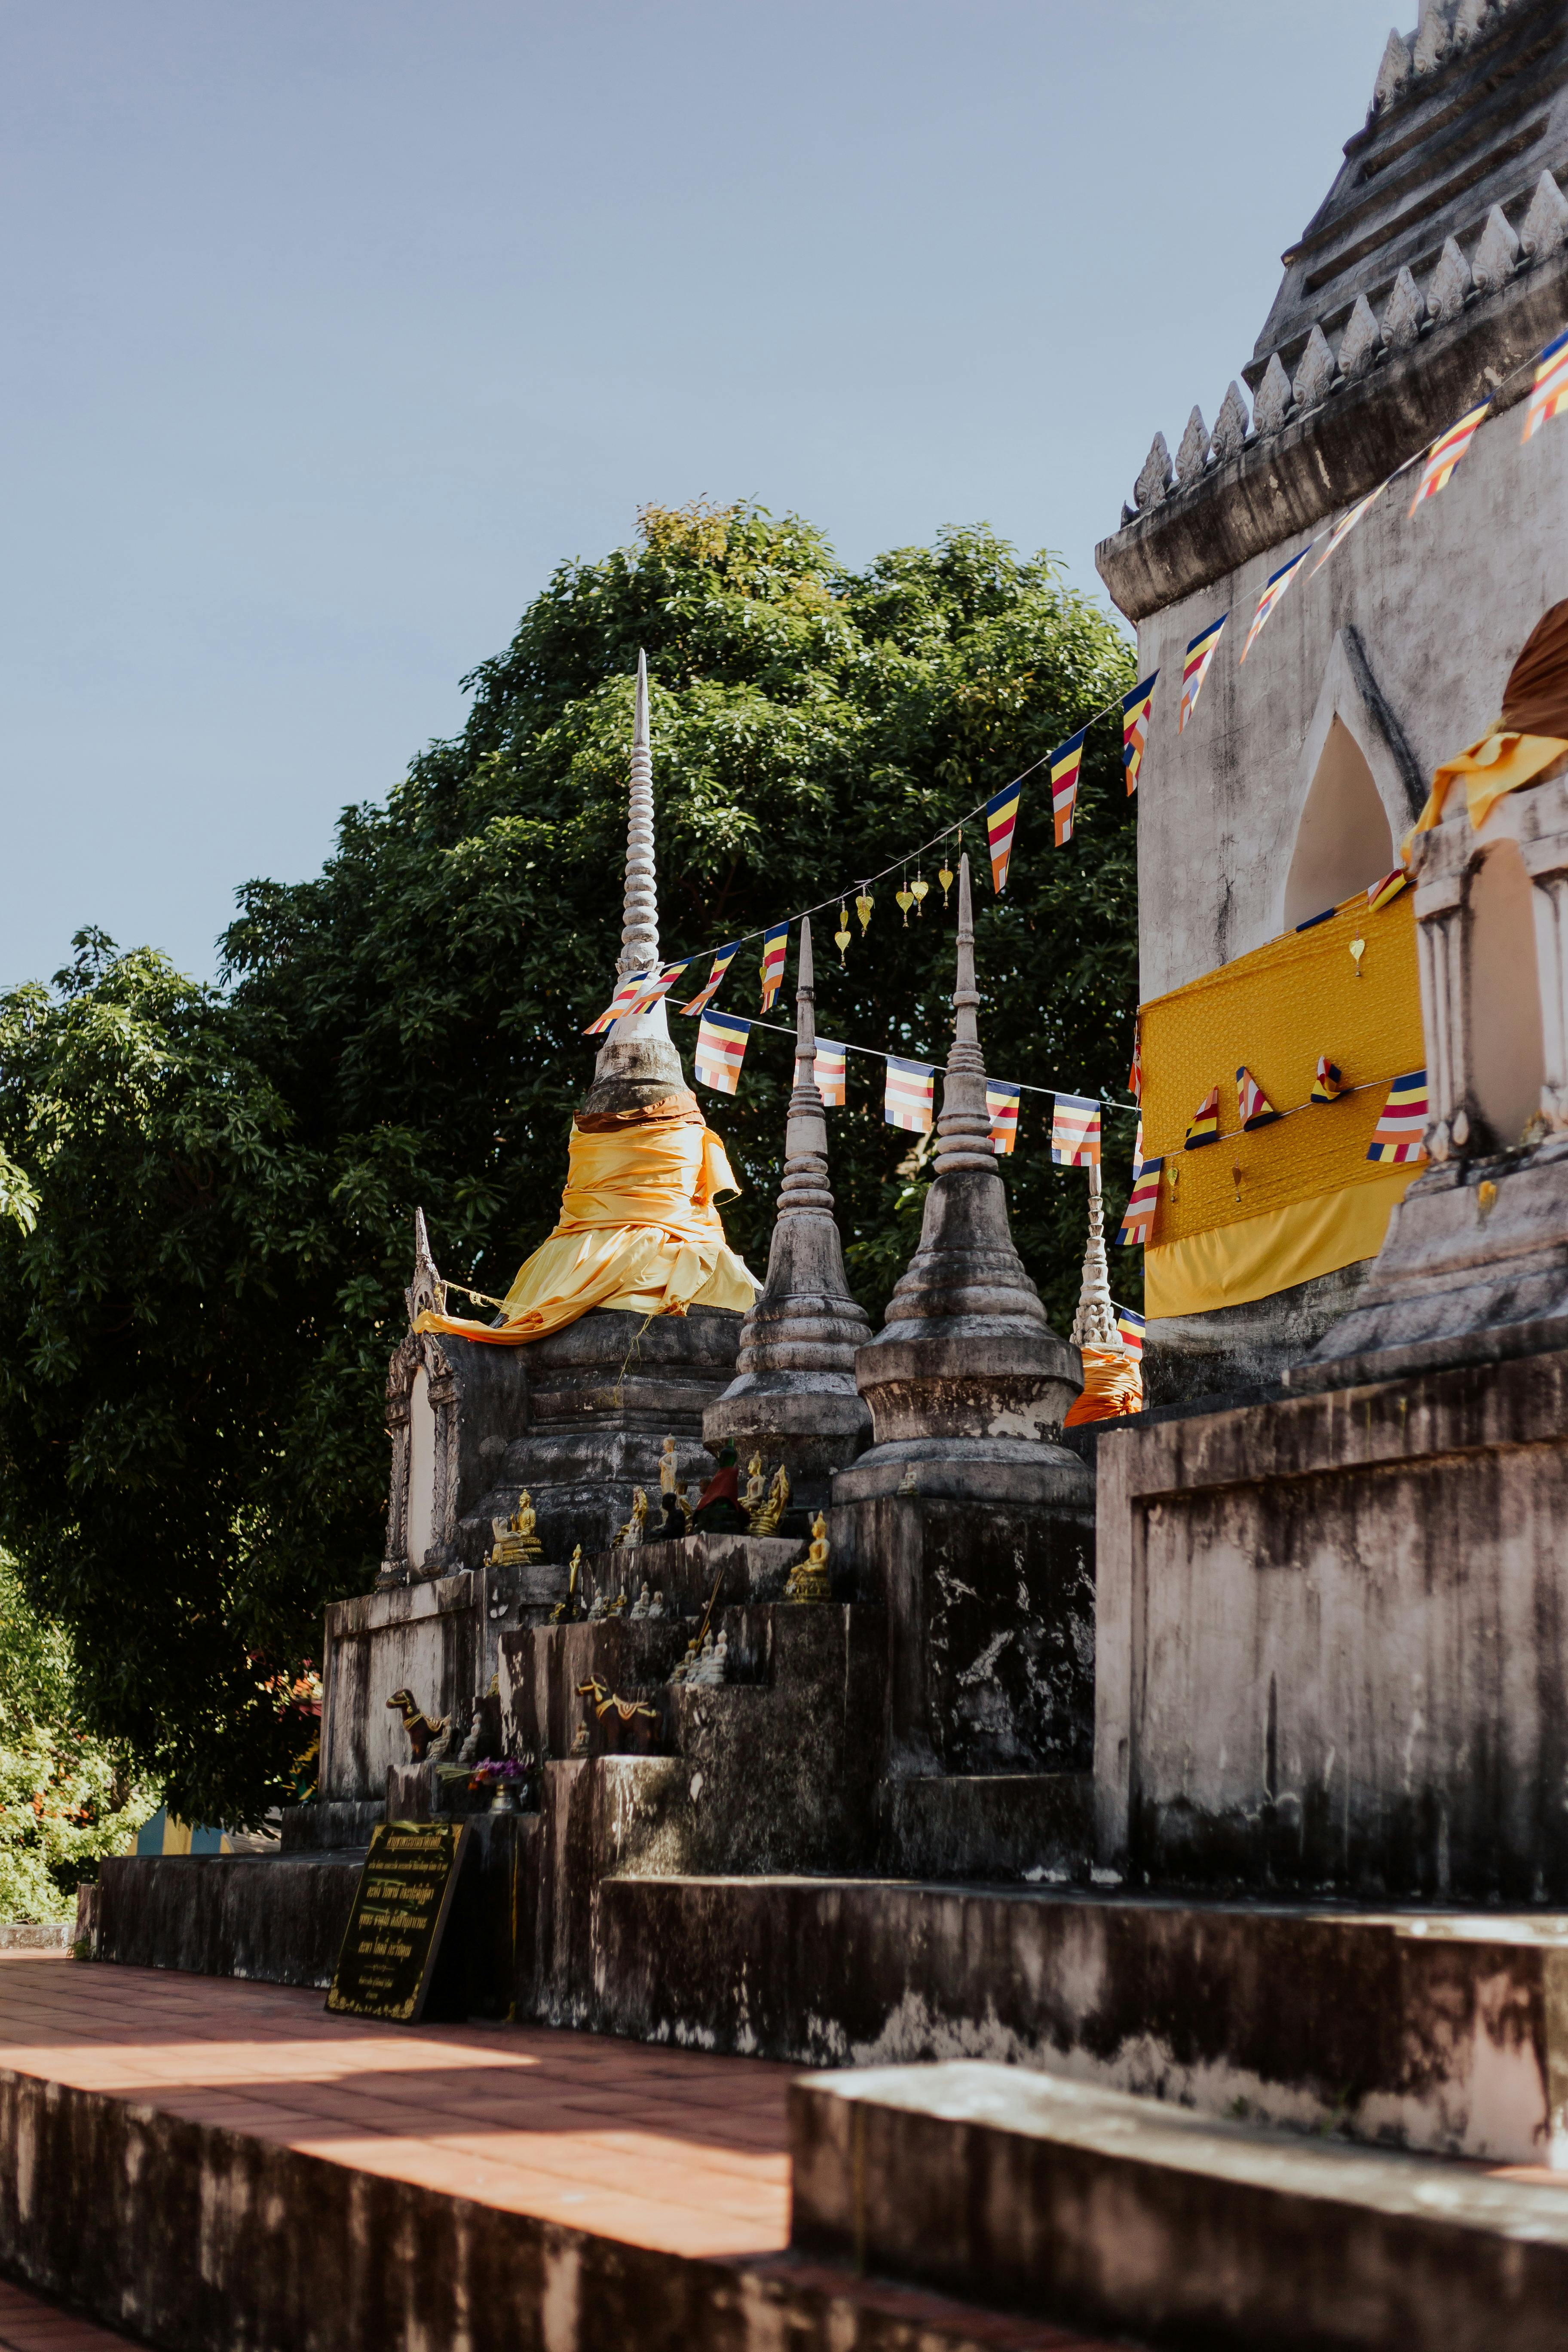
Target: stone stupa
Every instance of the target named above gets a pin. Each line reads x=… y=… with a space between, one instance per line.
x=793 y=1398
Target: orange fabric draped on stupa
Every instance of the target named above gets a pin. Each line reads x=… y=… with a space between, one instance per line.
x=638 y=1229
x=1529 y=735
x=1112 y=1385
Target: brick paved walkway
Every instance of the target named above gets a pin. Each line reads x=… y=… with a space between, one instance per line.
x=668 y=2150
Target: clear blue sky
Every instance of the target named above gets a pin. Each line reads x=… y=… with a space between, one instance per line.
x=331 y=326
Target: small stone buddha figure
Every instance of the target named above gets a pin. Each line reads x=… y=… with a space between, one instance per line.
x=766 y=1516
x=516 y=1543
x=643 y=1603
x=668 y=1474
x=810 y=1580
x=636 y=1528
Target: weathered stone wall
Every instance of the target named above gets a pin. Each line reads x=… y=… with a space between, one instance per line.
x=426 y=1638
x=1332 y=1641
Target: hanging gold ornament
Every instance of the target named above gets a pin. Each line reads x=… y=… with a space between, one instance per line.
x=918 y=888
x=863 y=908
x=905 y=897
x=945 y=878
x=841 y=936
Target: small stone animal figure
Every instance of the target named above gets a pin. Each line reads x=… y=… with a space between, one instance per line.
x=421 y=1728
x=641 y=1605
x=636 y=1528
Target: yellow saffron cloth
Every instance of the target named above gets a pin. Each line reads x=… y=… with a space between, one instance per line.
x=1254 y=1214
x=1112 y=1385
x=1496 y=762
x=638 y=1229
x=1232 y=1264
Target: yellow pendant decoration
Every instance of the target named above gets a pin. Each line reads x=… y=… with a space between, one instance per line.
x=918 y=889
x=863 y=908
x=945 y=878
x=841 y=936
x=905 y=899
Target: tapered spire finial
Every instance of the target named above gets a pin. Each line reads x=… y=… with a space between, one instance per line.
x=640 y=929
x=963 y=1130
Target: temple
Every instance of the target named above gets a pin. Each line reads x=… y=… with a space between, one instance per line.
x=1145 y=1817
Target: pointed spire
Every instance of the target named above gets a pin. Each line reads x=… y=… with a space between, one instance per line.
x=1094 y=1325
x=640 y=929
x=427 y=1289
x=637 y=1063
x=963 y=1130
x=793 y=1398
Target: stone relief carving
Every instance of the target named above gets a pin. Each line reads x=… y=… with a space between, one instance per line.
x=1231 y=425
x=1361 y=343
x=1451 y=281
x=1394 y=73
x=1545 y=224
x=1403 y=317
x=1432 y=37
x=415 y=1353
x=1272 y=405
x=1193 y=450
x=1497 y=254
x=1316 y=371
x=1154 y=482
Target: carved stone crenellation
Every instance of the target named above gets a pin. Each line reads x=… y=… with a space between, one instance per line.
x=1394 y=73
x=1154 y=482
x=1315 y=373
x=1433 y=37
x=1451 y=282
x=1231 y=425
x=1272 y=403
x=1362 y=342
x=1192 y=453
x=1403 y=314
x=1497 y=254
x=1545 y=225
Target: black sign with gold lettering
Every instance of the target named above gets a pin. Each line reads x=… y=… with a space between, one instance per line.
x=400 y=1913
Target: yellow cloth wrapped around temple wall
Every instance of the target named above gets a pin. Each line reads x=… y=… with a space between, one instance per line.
x=1500 y=761
x=638 y=1229
x=1252 y=1215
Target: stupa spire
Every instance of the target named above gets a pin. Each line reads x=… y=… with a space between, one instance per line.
x=794 y=1397
x=637 y=1063
x=1094 y=1325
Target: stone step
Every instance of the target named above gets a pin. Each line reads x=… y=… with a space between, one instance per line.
x=1033 y=1826
x=1443 y=2031
x=1127 y=2214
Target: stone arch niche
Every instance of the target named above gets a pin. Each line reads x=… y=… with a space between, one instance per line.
x=1357 y=787
x=422 y=1422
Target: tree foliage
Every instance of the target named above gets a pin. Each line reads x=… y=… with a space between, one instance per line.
x=195 y=1331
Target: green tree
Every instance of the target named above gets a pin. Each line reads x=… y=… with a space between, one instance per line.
x=197 y=1330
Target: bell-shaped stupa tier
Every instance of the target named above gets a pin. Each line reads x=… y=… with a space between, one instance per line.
x=793 y=1398
x=967 y=1382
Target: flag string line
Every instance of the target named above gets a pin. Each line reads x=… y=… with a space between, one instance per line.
x=1106 y=710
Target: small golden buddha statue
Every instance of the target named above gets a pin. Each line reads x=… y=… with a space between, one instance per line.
x=755 y=1495
x=810 y=1580
x=636 y=1528
x=517 y=1544
x=766 y=1516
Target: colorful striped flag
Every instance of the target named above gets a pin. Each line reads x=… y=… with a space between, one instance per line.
x=720 y=1050
x=1001 y=1102
x=1135 y=1075
x=1445 y=453
x=1274 y=588
x=1551 y=387
x=830 y=1064
x=1347 y=523
x=1139 y=1223
x=1135 y=727
x=635 y=993
x=1075 y=1131
x=1252 y=1104
x=1138 y=1148
x=907 y=1097
x=775 y=946
x=1329 y=1082
x=1195 y=668
x=704 y=997
x=1131 y=1326
x=1380 y=893
x=1397 y=1135
x=1204 y=1127
x=1065 y=761
x=1001 y=821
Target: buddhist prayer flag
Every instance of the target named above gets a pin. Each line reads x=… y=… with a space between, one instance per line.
x=907 y=1098
x=1329 y=1083
x=1135 y=1075
x=1001 y=819
x=1445 y=453
x=1347 y=523
x=1551 y=387
x=720 y=1050
x=1135 y=727
x=1274 y=588
x=1204 y=1127
x=1195 y=668
x=655 y=985
x=1138 y=1148
x=1065 y=761
x=704 y=997
x=624 y=1000
x=1380 y=893
x=1075 y=1131
x=1001 y=1102
x=1397 y=1135
x=1131 y=1325
x=775 y=946
x=829 y=1070
x=1253 y=1105
x=1139 y=1223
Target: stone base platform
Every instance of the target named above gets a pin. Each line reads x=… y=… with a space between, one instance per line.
x=1189 y=2231
x=1442 y=2033
x=207 y=2165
